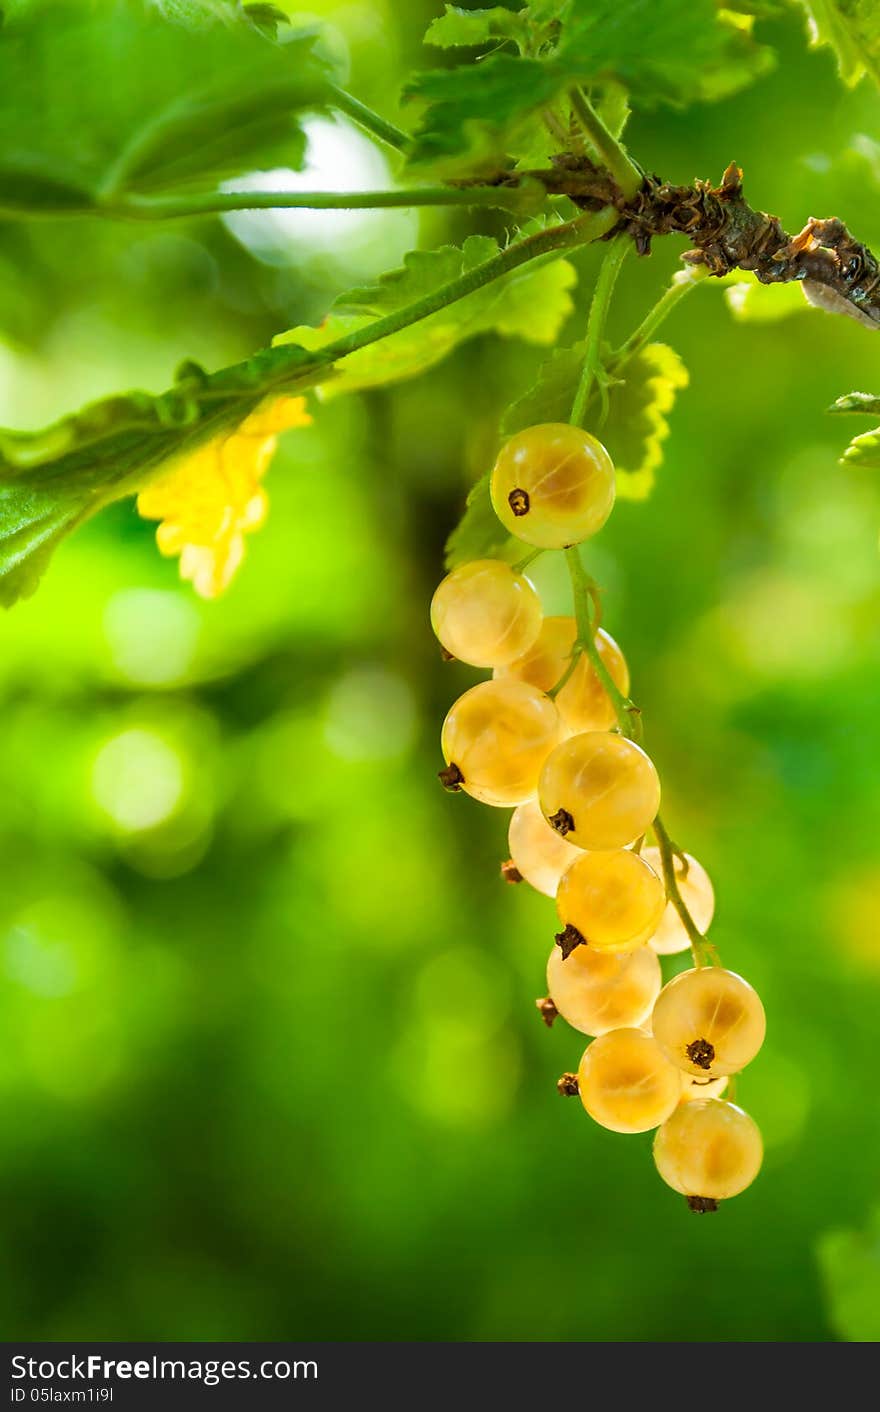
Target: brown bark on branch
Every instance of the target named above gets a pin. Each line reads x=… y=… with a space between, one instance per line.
x=837 y=271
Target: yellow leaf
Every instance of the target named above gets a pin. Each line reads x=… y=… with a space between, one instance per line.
x=208 y=500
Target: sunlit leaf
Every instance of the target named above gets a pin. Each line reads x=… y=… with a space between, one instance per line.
x=851 y=28
x=864 y=450
x=469 y=29
x=751 y=302
x=638 y=406
x=865 y=402
x=637 y=423
x=207 y=500
x=531 y=304
x=53 y=479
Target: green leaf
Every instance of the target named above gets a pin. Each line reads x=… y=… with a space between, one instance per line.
x=751 y=302
x=469 y=29
x=476 y=115
x=51 y=480
x=95 y=100
x=851 y=28
x=637 y=425
x=551 y=397
x=479 y=115
x=531 y=304
x=849 y=1262
x=865 y=402
x=611 y=102
x=677 y=52
x=864 y=451
x=479 y=533
x=267 y=18
x=638 y=406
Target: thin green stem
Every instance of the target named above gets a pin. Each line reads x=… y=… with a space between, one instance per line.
x=370 y=121
x=630 y=724
x=577 y=653
x=551 y=241
x=599 y=305
x=207 y=203
x=583 y=590
x=703 y=951
x=611 y=152
x=682 y=283
x=522 y=564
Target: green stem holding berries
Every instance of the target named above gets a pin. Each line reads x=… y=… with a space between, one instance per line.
x=584 y=588
x=703 y=951
x=584 y=592
x=592 y=369
x=630 y=724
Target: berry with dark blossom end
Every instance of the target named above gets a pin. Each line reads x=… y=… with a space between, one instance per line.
x=595 y=991
x=616 y=899
x=498 y=735
x=553 y=485
x=539 y=853
x=601 y=791
x=709 y=1022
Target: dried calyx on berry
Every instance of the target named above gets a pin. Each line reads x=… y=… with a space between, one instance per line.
x=547 y=1010
x=568 y=939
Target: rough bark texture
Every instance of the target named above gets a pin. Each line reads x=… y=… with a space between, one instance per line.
x=838 y=272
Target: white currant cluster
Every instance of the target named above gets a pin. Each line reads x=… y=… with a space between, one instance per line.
x=543 y=736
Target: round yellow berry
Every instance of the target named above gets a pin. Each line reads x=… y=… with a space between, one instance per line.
x=540 y=854
x=599 y=790
x=495 y=739
x=596 y=991
x=709 y=1022
x=486 y=614
x=626 y=1083
x=553 y=485
x=710 y=1150
x=693 y=1088
x=613 y=900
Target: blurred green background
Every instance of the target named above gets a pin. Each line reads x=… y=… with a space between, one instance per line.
x=270 y=1064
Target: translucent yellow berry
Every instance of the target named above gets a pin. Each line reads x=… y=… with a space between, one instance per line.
x=693 y=1088
x=626 y=1083
x=495 y=739
x=583 y=702
x=709 y=1150
x=540 y=854
x=698 y=896
x=612 y=900
x=553 y=485
x=596 y=991
x=599 y=790
x=709 y=1022
x=485 y=614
